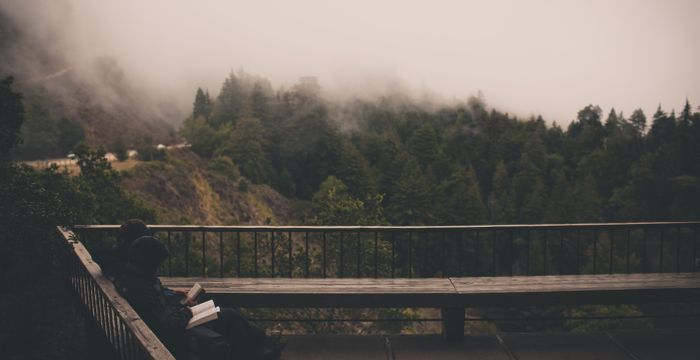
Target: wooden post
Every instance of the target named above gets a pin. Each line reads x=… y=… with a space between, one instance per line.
x=453 y=324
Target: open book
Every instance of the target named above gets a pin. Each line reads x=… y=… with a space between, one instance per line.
x=203 y=313
x=192 y=294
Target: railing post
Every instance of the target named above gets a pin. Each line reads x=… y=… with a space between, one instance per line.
x=453 y=324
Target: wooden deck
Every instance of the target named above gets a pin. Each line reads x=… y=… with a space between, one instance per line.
x=677 y=344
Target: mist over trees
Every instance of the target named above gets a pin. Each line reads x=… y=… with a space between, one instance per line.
x=453 y=164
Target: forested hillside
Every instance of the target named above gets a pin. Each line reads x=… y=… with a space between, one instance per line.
x=454 y=164
x=66 y=104
x=186 y=189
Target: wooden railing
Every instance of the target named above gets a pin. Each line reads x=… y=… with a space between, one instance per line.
x=127 y=334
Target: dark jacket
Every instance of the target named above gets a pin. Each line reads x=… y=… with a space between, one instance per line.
x=112 y=261
x=147 y=296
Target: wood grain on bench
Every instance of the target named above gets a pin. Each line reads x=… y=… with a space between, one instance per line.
x=348 y=292
x=448 y=292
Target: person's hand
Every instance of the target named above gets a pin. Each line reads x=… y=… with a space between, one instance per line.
x=191 y=303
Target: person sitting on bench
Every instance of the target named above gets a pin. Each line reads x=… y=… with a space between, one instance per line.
x=228 y=337
x=113 y=261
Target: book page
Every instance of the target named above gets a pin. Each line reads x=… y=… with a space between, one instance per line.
x=204 y=317
x=193 y=293
x=197 y=309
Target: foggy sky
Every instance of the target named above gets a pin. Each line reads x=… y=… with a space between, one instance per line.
x=526 y=57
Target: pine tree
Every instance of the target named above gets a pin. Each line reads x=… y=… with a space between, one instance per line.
x=501 y=199
x=424 y=144
x=230 y=102
x=460 y=199
x=354 y=171
x=612 y=123
x=259 y=102
x=411 y=198
x=202 y=104
x=245 y=148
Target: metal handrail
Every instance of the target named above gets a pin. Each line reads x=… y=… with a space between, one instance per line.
x=424 y=251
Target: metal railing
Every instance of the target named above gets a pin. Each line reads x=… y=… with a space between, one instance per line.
x=419 y=251
x=127 y=335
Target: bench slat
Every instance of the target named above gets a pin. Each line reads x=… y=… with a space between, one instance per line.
x=578 y=289
x=280 y=292
x=448 y=292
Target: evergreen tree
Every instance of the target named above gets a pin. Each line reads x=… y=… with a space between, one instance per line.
x=230 y=103
x=412 y=196
x=662 y=129
x=354 y=170
x=501 y=199
x=259 y=102
x=461 y=202
x=202 y=104
x=245 y=148
x=424 y=145
x=612 y=123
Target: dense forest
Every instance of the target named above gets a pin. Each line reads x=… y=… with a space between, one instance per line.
x=430 y=164
x=391 y=160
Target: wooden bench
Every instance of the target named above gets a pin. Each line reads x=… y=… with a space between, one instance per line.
x=452 y=295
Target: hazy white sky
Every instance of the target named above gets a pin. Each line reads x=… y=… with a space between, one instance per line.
x=527 y=56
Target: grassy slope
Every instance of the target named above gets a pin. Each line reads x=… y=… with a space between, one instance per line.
x=183 y=191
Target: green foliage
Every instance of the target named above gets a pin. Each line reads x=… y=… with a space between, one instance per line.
x=108 y=202
x=225 y=166
x=526 y=171
x=200 y=135
x=245 y=146
x=460 y=199
x=332 y=204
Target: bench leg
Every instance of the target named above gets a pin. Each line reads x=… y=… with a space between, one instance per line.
x=453 y=324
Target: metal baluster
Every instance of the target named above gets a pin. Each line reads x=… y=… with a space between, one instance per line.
x=678 y=249
x=644 y=251
x=527 y=253
x=341 y=254
x=323 y=255
x=410 y=255
x=493 y=253
x=661 y=251
x=627 y=249
x=170 y=258
x=289 y=234
x=187 y=254
x=272 y=254
x=694 y=264
x=544 y=252
x=376 y=253
x=578 y=251
x=460 y=247
x=612 y=248
x=476 y=254
x=359 y=254
x=255 y=254
x=204 y=254
x=238 y=253
x=306 y=250
x=443 y=255
x=221 y=254
x=595 y=251
x=561 y=251
x=393 y=254
x=511 y=255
